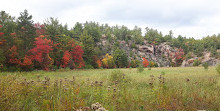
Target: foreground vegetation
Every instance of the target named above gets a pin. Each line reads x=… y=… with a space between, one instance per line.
x=189 y=89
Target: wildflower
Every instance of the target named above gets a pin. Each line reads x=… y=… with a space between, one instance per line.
x=73 y=78
x=109 y=87
x=151 y=83
x=114 y=89
x=116 y=82
x=187 y=79
x=98 y=107
x=32 y=82
x=96 y=82
x=101 y=83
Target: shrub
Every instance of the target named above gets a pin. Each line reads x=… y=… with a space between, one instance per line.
x=196 y=62
x=145 y=62
x=162 y=73
x=133 y=45
x=189 y=55
x=140 y=68
x=116 y=75
x=119 y=76
x=137 y=63
x=205 y=65
x=155 y=65
x=89 y=66
x=218 y=68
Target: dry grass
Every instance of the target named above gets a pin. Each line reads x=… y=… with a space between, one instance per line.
x=191 y=88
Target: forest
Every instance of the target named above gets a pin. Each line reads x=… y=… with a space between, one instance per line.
x=26 y=45
x=49 y=66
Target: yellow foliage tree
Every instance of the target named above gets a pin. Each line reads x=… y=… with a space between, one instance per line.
x=108 y=61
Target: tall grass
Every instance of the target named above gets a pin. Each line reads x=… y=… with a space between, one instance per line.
x=114 y=89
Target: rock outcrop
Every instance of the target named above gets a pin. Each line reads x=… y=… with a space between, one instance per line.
x=162 y=54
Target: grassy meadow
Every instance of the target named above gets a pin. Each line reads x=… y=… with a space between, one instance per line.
x=177 y=88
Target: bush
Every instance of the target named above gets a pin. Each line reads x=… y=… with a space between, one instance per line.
x=116 y=75
x=155 y=65
x=205 y=65
x=189 y=55
x=140 y=68
x=218 y=68
x=137 y=63
x=133 y=45
x=89 y=66
x=13 y=69
x=162 y=73
x=196 y=62
x=119 y=76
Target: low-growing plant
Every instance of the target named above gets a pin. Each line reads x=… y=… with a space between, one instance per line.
x=205 y=65
x=118 y=76
x=162 y=73
x=140 y=68
x=218 y=68
x=196 y=62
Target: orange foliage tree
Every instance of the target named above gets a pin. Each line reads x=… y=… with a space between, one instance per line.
x=145 y=62
x=99 y=63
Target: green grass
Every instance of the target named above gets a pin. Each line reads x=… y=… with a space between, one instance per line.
x=188 y=88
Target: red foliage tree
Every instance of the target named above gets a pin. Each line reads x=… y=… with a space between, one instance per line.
x=66 y=59
x=2 y=41
x=1 y=34
x=40 y=52
x=77 y=55
x=179 y=56
x=27 y=63
x=13 y=56
x=145 y=62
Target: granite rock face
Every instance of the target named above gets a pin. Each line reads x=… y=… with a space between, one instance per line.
x=160 y=54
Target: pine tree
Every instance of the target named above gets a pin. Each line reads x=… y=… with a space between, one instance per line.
x=88 y=47
x=26 y=31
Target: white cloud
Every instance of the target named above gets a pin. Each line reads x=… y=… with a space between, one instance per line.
x=190 y=18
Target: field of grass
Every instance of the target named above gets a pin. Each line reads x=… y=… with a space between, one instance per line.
x=189 y=89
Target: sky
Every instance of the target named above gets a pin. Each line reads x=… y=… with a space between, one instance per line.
x=189 y=18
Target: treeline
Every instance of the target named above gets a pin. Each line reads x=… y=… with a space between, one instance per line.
x=25 y=45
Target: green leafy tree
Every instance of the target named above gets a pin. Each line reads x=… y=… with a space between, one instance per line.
x=8 y=26
x=153 y=36
x=93 y=30
x=120 y=58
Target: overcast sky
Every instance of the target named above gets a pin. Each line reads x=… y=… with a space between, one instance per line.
x=190 y=18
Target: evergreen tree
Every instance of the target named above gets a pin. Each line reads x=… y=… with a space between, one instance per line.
x=53 y=29
x=26 y=31
x=88 y=47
